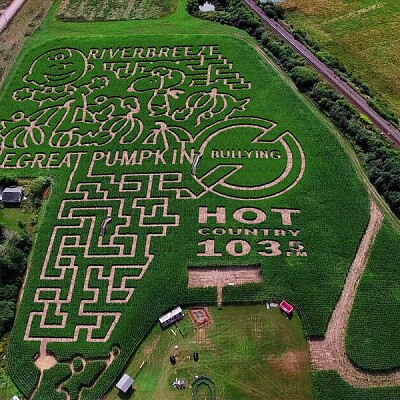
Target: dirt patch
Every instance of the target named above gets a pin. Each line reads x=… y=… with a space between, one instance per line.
x=200 y=317
x=45 y=360
x=290 y=363
x=46 y=193
x=220 y=277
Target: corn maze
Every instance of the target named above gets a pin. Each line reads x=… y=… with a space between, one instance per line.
x=164 y=157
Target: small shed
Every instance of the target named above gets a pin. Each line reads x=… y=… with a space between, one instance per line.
x=286 y=308
x=125 y=383
x=13 y=195
x=170 y=318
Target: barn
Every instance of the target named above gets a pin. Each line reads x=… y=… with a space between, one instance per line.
x=13 y=195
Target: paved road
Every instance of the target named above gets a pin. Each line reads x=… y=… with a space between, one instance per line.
x=356 y=99
x=7 y=15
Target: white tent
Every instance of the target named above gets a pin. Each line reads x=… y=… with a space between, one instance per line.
x=125 y=383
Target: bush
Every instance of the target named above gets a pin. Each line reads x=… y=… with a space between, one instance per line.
x=9 y=293
x=8 y=180
x=77 y=364
x=7 y=313
x=304 y=78
x=36 y=189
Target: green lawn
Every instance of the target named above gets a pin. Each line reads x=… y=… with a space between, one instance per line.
x=362 y=34
x=250 y=353
x=9 y=217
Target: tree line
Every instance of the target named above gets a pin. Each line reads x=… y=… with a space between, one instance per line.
x=15 y=248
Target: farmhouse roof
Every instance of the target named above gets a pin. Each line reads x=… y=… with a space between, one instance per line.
x=125 y=383
x=170 y=315
x=13 y=194
x=286 y=307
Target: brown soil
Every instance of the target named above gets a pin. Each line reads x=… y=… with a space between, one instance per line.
x=220 y=277
x=25 y=22
x=46 y=193
x=200 y=317
x=290 y=363
x=45 y=359
x=330 y=353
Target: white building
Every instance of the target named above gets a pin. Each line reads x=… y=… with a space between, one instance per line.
x=173 y=316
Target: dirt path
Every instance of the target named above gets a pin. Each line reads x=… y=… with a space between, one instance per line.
x=330 y=353
x=220 y=277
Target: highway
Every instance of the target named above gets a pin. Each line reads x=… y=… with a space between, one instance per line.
x=8 y=13
x=347 y=91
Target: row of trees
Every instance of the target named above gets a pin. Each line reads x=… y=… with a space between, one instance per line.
x=13 y=261
x=15 y=248
x=380 y=159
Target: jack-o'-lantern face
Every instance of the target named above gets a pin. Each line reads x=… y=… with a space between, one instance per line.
x=57 y=68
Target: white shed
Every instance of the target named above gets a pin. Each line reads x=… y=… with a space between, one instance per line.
x=125 y=383
x=173 y=316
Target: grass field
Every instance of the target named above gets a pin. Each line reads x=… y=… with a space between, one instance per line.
x=20 y=28
x=73 y=10
x=9 y=217
x=249 y=352
x=4 y=4
x=117 y=114
x=361 y=34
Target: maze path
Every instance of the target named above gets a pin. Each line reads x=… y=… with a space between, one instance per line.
x=121 y=128
x=84 y=238
x=72 y=109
